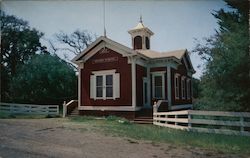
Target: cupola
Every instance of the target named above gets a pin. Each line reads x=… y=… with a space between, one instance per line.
x=140 y=36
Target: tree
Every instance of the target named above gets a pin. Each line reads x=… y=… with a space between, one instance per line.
x=76 y=42
x=44 y=79
x=19 y=43
x=226 y=81
x=196 y=88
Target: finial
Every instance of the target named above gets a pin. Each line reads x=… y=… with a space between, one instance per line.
x=140 y=19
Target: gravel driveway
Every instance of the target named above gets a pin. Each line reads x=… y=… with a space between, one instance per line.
x=42 y=138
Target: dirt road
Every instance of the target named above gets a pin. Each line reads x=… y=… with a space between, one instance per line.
x=42 y=138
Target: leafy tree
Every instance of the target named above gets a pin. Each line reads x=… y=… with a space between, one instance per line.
x=226 y=81
x=45 y=79
x=196 y=88
x=76 y=42
x=19 y=43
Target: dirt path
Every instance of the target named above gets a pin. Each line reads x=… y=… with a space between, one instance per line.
x=42 y=138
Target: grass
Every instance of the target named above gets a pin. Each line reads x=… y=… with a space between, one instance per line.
x=22 y=116
x=120 y=127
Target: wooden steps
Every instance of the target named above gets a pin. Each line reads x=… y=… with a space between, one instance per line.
x=75 y=112
x=144 y=116
x=143 y=120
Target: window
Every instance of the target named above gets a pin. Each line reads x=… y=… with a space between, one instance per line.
x=177 y=86
x=188 y=88
x=138 y=42
x=99 y=86
x=105 y=85
x=147 y=43
x=109 y=85
x=158 y=85
x=183 y=87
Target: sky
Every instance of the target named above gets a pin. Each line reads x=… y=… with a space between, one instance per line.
x=175 y=23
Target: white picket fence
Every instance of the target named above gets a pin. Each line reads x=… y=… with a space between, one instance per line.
x=13 y=108
x=236 y=123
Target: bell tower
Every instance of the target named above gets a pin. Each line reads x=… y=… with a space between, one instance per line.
x=140 y=36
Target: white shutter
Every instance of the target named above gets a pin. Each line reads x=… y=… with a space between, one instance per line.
x=92 y=86
x=117 y=85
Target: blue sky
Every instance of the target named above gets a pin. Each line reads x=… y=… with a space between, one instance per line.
x=175 y=23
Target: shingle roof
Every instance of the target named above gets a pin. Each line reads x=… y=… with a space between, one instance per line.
x=154 y=54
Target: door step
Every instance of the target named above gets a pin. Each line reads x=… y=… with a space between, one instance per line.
x=143 y=120
x=74 y=113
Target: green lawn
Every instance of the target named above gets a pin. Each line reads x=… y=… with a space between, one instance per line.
x=123 y=128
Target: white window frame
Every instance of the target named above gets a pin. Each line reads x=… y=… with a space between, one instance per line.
x=162 y=74
x=183 y=87
x=104 y=73
x=188 y=88
x=177 y=86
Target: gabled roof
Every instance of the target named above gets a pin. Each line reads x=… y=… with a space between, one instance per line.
x=178 y=54
x=146 y=54
x=154 y=54
x=140 y=27
x=128 y=50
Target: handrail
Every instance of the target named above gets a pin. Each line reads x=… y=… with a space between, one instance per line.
x=69 y=107
x=158 y=104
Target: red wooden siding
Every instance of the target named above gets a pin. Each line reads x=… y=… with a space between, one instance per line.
x=121 y=65
x=183 y=72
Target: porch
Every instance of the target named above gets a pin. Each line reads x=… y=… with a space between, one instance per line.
x=142 y=115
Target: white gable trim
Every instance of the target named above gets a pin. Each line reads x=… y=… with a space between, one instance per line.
x=74 y=60
x=105 y=42
x=186 y=59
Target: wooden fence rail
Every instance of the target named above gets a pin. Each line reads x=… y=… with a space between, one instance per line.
x=14 y=108
x=237 y=123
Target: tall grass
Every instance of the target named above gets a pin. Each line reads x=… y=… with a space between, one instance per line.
x=216 y=142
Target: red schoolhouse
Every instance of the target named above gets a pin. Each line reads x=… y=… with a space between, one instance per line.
x=117 y=80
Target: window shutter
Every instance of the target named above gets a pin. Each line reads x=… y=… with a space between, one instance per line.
x=117 y=85
x=92 y=86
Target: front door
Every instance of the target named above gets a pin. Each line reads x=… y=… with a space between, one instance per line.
x=145 y=93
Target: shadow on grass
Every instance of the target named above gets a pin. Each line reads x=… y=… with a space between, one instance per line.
x=23 y=116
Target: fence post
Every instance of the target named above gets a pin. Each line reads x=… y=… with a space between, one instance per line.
x=241 y=124
x=155 y=109
x=176 y=123
x=189 y=121
x=64 y=109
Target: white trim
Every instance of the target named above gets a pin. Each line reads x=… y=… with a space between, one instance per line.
x=158 y=72
x=106 y=45
x=104 y=72
x=126 y=51
x=169 y=86
x=115 y=85
x=141 y=62
x=110 y=108
x=133 y=73
x=162 y=74
x=176 y=76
